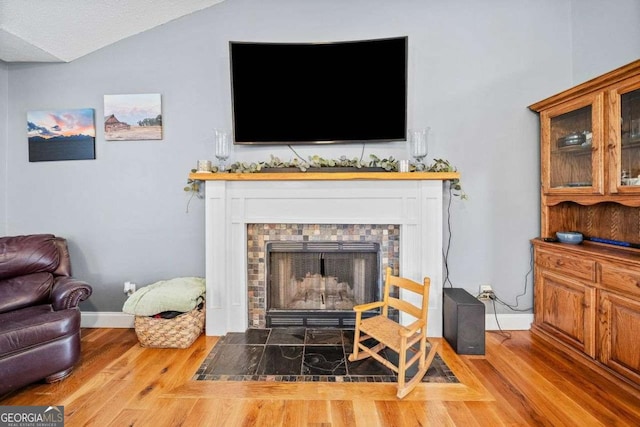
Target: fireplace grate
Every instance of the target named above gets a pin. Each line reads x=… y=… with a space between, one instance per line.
x=335 y=319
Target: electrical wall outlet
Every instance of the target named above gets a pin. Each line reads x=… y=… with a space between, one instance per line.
x=129 y=288
x=486 y=293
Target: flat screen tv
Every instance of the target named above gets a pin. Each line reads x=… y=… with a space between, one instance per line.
x=319 y=93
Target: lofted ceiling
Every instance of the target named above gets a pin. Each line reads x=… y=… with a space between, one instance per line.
x=64 y=30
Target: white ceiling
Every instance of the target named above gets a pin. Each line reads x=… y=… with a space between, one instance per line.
x=64 y=30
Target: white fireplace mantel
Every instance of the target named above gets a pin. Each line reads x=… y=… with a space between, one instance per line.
x=411 y=200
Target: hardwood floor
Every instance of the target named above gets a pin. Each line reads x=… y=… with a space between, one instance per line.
x=519 y=382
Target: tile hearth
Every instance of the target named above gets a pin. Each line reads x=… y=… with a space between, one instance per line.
x=298 y=355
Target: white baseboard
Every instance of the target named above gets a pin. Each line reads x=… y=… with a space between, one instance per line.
x=113 y=319
x=106 y=319
x=508 y=322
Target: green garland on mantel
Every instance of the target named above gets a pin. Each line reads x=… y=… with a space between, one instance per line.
x=315 y=162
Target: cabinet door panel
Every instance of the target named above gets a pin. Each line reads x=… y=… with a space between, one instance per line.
x=619 y=332
x=572 y=152
x=568 y=310
x=624 y=137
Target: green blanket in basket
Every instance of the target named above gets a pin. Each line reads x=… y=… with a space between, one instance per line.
x=181 y=294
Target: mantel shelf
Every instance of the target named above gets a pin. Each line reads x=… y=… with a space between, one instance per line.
x=325 y=176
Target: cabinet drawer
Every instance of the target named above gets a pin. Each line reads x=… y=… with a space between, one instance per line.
x=575 y=267
x=621 y=278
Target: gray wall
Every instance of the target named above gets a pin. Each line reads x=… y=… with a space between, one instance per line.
x=606 y=35
x=473 y=69
x=4 y=100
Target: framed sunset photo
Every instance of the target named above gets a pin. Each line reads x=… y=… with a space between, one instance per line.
x=61 y=135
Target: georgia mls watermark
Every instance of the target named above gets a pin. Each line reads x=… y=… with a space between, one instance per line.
x=31 y=416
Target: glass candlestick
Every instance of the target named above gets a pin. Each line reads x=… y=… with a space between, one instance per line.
x=418 y=146
x=223 y=147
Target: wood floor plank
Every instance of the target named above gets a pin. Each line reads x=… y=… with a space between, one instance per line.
x=488 y=414
x=365 y=413
x=84 y=402
x=124 y=417
x=513 y=404
x=461 y=414
x=294 y=413
x=430 y=413
x=173 y=413
x=342 y=414
x=148 y=378
x=270 y=413
x=329 y=391
x=545 y=397
x=94 y=407
x=588 y=389
x=216 y=412
x=389 y=413
x=519 y=382
x=318 y=413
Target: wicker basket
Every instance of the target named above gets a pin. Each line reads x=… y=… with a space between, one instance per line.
x=179 y=332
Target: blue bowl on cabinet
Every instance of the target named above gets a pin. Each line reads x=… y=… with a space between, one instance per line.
x=571 y=237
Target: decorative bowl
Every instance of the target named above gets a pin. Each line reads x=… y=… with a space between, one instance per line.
x=571 y=237
x=574 y=138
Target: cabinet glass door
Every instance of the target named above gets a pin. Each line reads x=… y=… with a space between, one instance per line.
x=573 y=148
x=628 y=174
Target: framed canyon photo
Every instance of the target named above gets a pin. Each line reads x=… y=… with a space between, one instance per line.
x=135 y=117
x=61 y=135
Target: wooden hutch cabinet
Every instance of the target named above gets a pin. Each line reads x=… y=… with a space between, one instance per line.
x=587 y=296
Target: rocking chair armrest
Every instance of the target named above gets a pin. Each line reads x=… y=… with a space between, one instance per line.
x=412 y=328
x=368 y=306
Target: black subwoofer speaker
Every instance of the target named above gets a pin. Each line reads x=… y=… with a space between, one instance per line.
x=463 y=323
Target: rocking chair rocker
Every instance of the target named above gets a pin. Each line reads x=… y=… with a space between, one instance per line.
x=401 y=339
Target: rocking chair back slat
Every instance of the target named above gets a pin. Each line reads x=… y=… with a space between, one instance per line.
x=405 y=307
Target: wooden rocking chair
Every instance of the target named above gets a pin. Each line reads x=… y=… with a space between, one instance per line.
x=399 y=338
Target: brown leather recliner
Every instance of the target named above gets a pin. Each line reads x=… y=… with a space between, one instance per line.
x=39 y=315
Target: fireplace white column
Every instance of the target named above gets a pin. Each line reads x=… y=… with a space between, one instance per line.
x=231 y=204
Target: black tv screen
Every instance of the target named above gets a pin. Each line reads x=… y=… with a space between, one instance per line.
x=307 y=93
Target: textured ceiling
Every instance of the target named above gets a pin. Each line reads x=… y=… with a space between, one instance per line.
x=64 y=30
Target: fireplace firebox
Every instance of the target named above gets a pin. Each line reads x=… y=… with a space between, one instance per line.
x=318 y=283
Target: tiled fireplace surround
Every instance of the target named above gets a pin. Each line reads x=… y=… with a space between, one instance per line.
x=258 y=235
x=318 y=209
